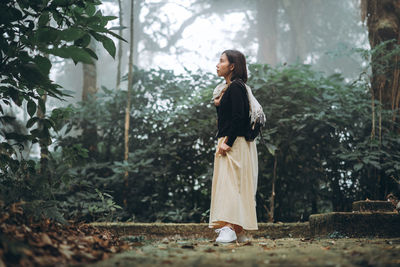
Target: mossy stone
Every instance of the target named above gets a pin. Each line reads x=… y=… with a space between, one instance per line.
x=373 y=206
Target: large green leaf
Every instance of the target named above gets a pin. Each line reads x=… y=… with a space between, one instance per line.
x=31 y=108
x=32 y=74
x=72 y=34
x=43 y=63
x=90 y=9
x=78 y=54
x=47 y=35
x=44 y=19
x=109 y=46
x=116 y=36
x=83 y=41
x=31 y=122
x=91 y=52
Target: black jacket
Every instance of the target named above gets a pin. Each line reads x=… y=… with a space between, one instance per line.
x=233 y=113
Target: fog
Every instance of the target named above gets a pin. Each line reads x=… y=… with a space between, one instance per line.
x=190 y=35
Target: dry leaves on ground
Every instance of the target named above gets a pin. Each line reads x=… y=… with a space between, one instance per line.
x=24 y=243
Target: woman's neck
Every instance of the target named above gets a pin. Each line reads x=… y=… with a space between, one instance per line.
x=228 y=78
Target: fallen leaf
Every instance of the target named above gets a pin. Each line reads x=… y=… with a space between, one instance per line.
x=113 y=249
x=16 y=208
x=66 y=251
x=46 y=239
x=27 y=252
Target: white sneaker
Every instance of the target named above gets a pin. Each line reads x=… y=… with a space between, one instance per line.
x=226 y=235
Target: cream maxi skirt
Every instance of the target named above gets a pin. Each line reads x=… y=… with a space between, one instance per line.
x=234 y=186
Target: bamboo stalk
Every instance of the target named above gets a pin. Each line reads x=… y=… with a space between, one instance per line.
x=119 y=46
x=272 y=199
x=128 y=102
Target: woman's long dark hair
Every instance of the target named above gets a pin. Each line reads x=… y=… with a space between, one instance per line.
x=237 y=58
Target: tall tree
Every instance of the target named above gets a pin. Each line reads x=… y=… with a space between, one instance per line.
x=44 y=141
x=383 y=21
x=119 y=44
x=296 y=13
x=128 y=101
x=267 y=15
x=89 y=88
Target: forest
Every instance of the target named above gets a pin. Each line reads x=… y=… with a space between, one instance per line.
x=106 y=109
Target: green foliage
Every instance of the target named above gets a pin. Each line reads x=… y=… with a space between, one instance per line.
x=31 y=32
x=381 y=56
x=27 y=39
x=321 y=127
x=318 y=127
x=171 y=144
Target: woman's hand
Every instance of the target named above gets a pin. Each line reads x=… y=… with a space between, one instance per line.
x=223 y=148
x=217 y=100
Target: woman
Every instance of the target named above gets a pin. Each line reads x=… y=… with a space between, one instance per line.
x=233 y=205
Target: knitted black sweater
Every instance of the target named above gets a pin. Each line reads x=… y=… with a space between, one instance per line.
x=233 y=113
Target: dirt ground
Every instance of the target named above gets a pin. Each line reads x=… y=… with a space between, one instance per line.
x=259 y=252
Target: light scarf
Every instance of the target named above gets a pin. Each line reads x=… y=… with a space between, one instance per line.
x=256 y=110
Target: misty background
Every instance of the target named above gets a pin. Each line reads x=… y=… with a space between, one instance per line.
x=180 y=35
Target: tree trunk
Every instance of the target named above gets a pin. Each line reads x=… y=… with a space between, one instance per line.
x=272 y=198
x=267 y=12
x=296 y=12
x=119 y=45
x=137 y=32
x=383 y=21
x=89 y=90
x=128 y=101
x=43 y=142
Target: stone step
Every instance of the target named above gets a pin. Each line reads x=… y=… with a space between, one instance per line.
x=373 y=205
x=355 y=224
x=200 y=230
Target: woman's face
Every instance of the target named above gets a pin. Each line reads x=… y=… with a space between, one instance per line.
x=224 y=68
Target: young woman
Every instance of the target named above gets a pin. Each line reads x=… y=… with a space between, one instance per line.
x=233 y=205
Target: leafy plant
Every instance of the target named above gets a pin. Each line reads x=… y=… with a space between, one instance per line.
x=31 y=32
